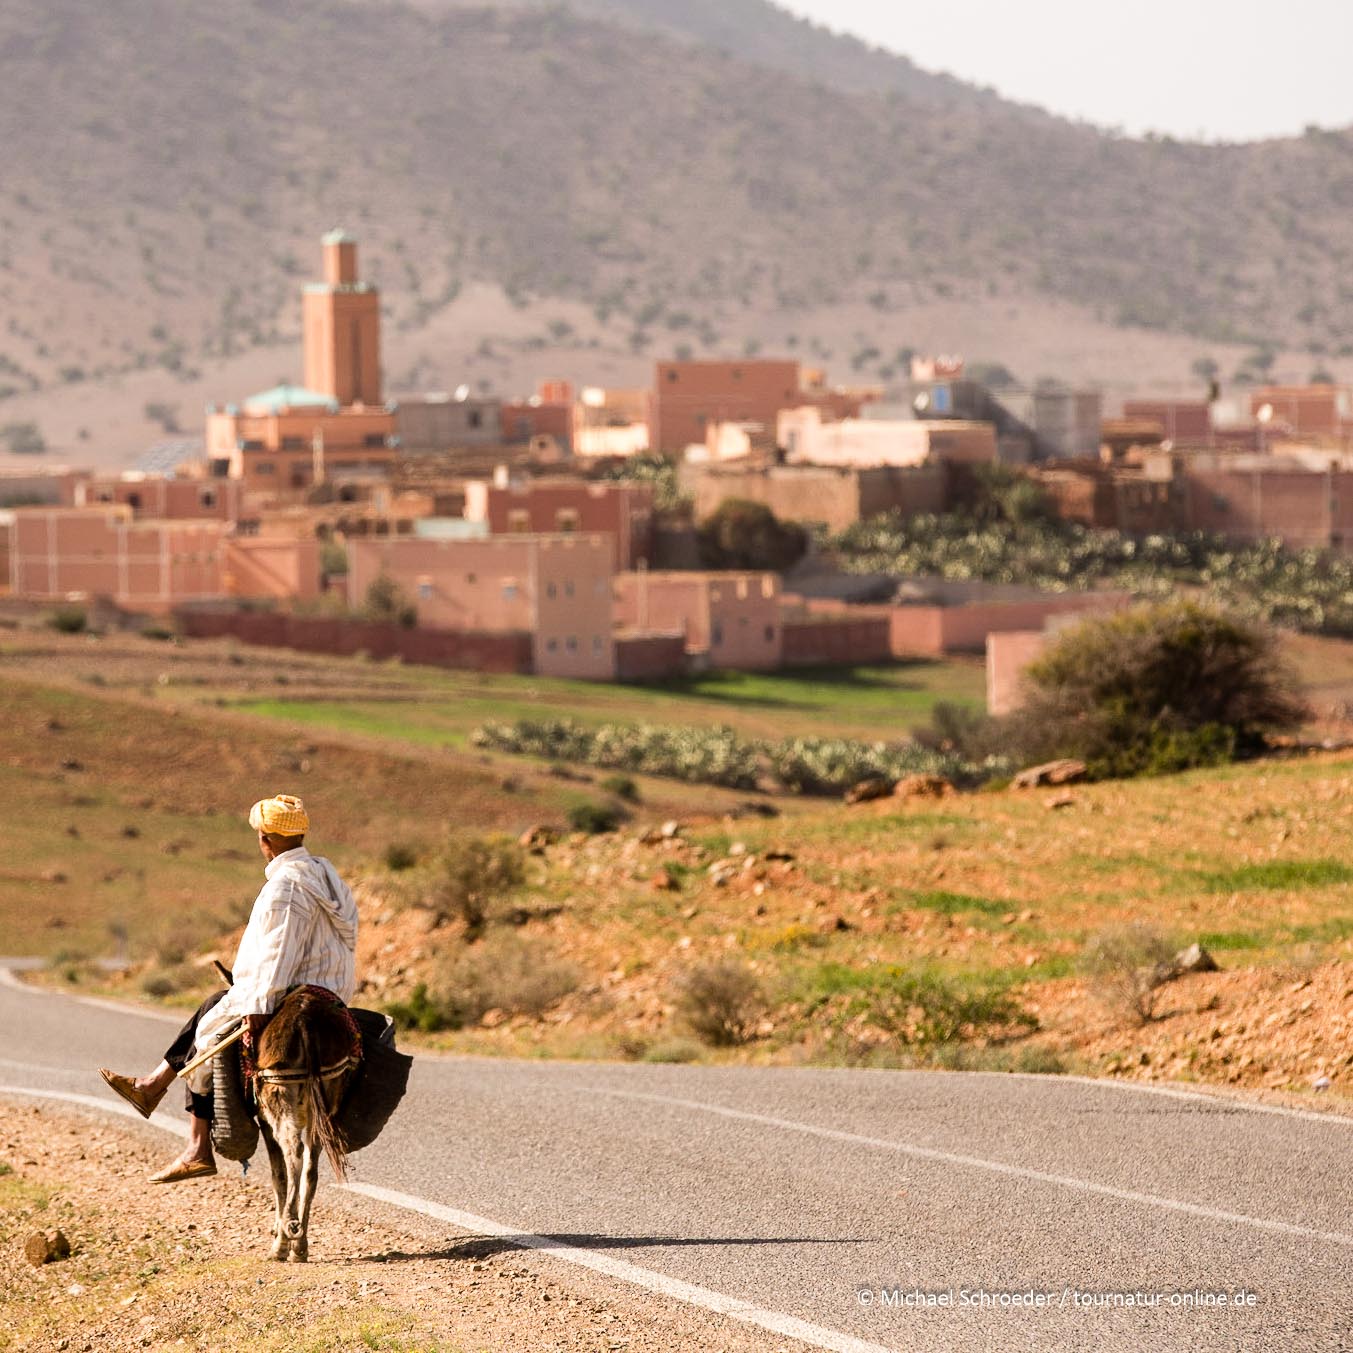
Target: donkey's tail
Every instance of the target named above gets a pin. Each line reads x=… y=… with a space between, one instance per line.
x=318 y=1084
x=328 y=1136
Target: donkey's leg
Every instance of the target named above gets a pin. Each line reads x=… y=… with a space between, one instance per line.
x=291 y=1138
x=278 y=1164
x=300 y=1247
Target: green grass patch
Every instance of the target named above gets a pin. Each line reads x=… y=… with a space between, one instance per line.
x=950 y=904
x=1233 y=940
x=1277 y=876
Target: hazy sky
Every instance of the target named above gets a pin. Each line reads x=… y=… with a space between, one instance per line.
x=1219 y=69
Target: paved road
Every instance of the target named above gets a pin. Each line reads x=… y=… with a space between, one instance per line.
x=796 y=1196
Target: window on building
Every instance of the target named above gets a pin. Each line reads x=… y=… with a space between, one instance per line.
x=568 y=588
x=425 y=589
x=596 y=643
x=293 y=443
x=552 y=645
x=471 y=579
x=572 y=643
x=518 y=521
x=566 y=519
x=207 y=498
x=767 y=587
x=671 y=376
x=251 y=444
x=551 y=591
x=298 y=479
x=742 y=589
x=509 y=591
x=770 y=634
x=134 y=501
x=716 y=633
x=266 y=467
x=475 y=418
x=374 y=439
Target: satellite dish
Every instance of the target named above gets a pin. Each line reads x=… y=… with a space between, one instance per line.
x=922 y=402
x=462 y=393
x=1265 y=414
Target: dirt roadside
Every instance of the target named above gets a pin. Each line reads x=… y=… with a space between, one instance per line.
x=183 y=1267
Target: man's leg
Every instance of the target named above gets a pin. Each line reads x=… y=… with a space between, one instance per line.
x=145 y=1092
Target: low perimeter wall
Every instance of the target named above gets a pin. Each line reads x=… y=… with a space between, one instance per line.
x=836 y=640
x=470 y=649
x=649 y=657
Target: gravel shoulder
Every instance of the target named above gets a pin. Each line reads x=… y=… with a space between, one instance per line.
x=183 y=1267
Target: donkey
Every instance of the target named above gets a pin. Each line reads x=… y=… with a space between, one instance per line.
x=305 y=1061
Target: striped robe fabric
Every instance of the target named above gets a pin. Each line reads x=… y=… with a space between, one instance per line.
x=302 y=930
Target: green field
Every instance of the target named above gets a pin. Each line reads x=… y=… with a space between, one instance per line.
x=869 y=703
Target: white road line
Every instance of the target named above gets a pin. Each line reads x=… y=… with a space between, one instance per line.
x=8 y=979
x=99 y=1105
x=735 y=1308
x=1329 y=1117
x=992 y=1166
x=817 y=1336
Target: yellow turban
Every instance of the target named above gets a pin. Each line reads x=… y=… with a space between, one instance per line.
x=281 y=815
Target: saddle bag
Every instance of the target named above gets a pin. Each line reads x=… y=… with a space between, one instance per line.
x=379 y=1084
x=234 y=1130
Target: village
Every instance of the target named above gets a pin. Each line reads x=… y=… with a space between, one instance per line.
x=522 y=535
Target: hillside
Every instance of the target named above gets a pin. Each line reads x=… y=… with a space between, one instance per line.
x=168 y=171
x=763 y=34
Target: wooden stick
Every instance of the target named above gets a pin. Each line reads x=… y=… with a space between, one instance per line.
x=214 y=1049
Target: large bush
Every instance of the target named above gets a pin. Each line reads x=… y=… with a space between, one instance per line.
x=743 y=534
x=1155 y=689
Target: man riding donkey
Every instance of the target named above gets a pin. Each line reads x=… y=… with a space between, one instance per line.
x=302 y=932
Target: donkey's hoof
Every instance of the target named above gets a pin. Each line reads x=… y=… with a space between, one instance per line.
x=300 y=1253
x=279 y=1250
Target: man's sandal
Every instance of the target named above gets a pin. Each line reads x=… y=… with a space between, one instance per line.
x=143 y=1101
x=181 y=1170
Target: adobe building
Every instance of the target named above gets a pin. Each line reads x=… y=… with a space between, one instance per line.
x=152 y=496
x=621 y=510
x=834 y=496
x=729 y=619
x=40 y=488
x=807 y=440
x=282 y=441
x=556 y=588
x=59 y=554
x=1177 y=420
x=441 y=422
x=612 y=423
x=548 y=416
x=689 y=396
x=1317 y=411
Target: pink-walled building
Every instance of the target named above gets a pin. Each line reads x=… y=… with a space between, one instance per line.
x=557 y=588
x=732 y=620
x=151 y=496
x=150 y=566
x=276 y=567
x=624 y=511
x=689 y=396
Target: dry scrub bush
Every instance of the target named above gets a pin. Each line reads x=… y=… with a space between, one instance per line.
x=1128 y=965
x=472 y=872
x=508 y=972
x=722 y=1001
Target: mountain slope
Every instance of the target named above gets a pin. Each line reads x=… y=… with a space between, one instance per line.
x=168 y=168
x=762 y=34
